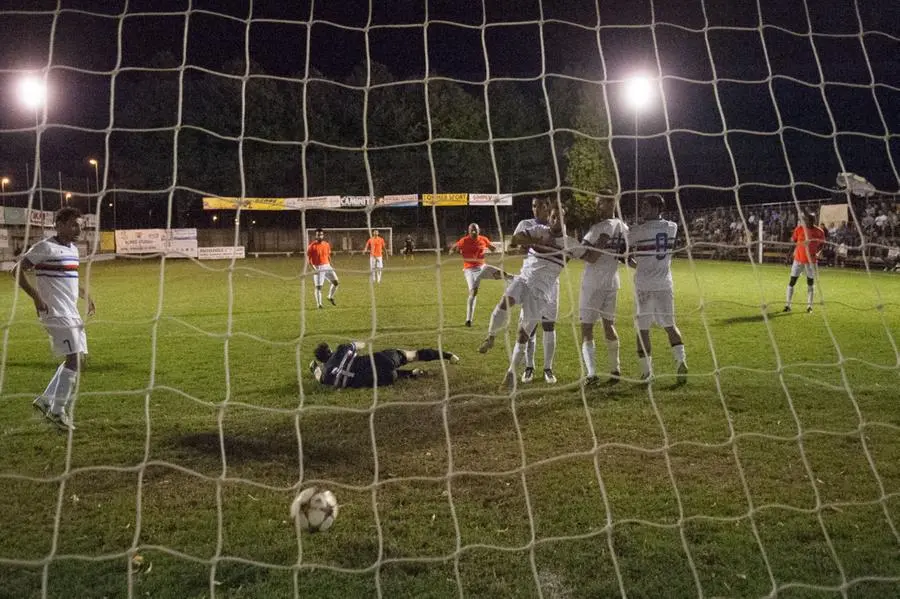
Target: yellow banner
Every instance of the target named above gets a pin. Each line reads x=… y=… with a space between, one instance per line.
x=445 y=199
x=247 y=204
x=107 y=241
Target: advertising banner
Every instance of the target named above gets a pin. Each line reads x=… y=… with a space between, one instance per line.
x=181 y=248
x=88 y=221
x=4 y=238
x=221 y=253
x=36 y=218
x=490 y=199
x=15 y=216
x=317 y=203
x=141 y=241
x=445 y=199
x=356 y=201
x=410 y=200
x=212 y=203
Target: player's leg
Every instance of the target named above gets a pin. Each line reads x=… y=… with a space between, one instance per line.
x=318 y=280
x=530 y=346
x=429 y=355
x=665 y=303
x=608 y=314
x=333 y=279
x=548 y=323
x=525 y=332
x=789 y=296
x=473 y=277
x=68 y=339
x=810 y=286
x=43 y=402
x=379 y=267
x=588 y=316
x=372 y=266
x=500 y=314
x=643 y=319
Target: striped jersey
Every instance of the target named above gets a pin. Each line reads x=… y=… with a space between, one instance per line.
x=56 y=270
x=540 y=270
x=651 y=243
x=604 y=273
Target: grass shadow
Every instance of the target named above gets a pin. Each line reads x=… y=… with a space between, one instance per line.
x=752 y=318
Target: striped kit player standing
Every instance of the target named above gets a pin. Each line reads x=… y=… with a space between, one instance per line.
x=318 y=255
x=600 y=286
x=55 y=264
x=651 y=244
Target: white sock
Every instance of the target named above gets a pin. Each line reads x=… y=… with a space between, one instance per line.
x=810 y=295
x=378 y=275
x=499 y=317
x=516 y=358
x=50 y=391
x=529 y=352
x=790 y=295
x=549 y=341
x=332 y=291
x=318 y=295
x=612 y=348
x=588 y=351
x=470 y=307
x=678 y=353
x=646 y=364
x=63 y=396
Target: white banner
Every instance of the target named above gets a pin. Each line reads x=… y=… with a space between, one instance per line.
x=356 y=201
x=88 y=221
x=490 y=199
x=183 y=234
x=4 y=238
x=221 y=253
x=409 y=200
x=140 y=241
x=319 y=202
x=181 y=248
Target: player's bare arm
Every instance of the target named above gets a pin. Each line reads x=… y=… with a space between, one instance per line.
x=18 y=272
x=593 y=251
x=91 y=308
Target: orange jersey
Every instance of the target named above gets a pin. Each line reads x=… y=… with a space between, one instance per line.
x=375 y=246
x=319 y=253
x=806 y=250
x=472 y=250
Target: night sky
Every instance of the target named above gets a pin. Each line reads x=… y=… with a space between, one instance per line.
x=760 y=52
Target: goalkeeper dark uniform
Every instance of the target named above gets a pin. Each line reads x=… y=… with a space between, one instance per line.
x=351 y=366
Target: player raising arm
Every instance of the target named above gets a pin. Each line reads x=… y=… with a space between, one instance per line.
x=351 y=366
x=600 y=285
x=651 y=243
x=318 y=254
x=472 y=248
x=55 y=263
x=375 y=249
x=809 y=240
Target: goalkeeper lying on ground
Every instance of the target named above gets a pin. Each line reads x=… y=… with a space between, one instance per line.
x=350 y=366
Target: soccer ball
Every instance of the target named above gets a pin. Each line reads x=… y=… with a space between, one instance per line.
x=315 y=509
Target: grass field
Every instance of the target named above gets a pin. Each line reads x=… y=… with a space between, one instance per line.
x=774 y=471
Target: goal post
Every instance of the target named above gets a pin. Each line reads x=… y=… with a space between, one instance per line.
x=350 y=240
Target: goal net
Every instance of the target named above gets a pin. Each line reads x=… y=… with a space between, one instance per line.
x=352 y=240
x=773 y=472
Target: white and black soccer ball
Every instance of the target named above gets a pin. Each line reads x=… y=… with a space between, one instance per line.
x=315 y=509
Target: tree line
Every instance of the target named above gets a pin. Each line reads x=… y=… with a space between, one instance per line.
x=296 y=137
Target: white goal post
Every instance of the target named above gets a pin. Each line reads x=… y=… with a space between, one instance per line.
x=350 y=239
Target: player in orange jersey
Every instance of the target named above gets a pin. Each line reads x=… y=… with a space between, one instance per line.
x=809 y=240
x=318 y=254
x=472 y=247
x=375 y=249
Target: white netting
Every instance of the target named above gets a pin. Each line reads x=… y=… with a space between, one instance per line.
x=773 y=472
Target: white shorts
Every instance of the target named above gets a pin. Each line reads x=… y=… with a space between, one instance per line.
x=655 y=307
x=66 y=335
x=533 y=304
x=598 y=303
x=323 y=273
x=376 y=262
x=550 y=311
x=473 y=276
x=809 y=268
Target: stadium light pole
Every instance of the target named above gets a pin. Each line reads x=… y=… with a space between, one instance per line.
x=33 y=95
x=93 y=162
x=638 y=95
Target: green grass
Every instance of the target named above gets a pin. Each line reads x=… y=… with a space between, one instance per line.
x=775 y=470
